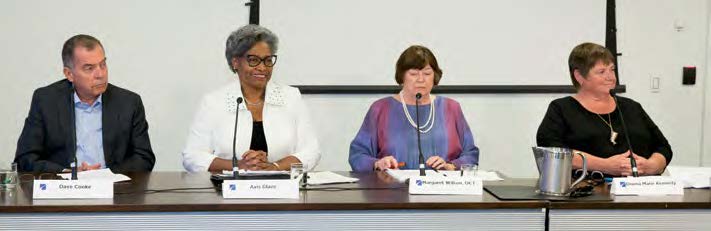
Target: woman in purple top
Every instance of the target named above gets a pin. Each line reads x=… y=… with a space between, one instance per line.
x=388 y=139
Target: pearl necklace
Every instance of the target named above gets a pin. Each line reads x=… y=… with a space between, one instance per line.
x=430 y=118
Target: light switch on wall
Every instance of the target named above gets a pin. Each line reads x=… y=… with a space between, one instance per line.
x=654 y=84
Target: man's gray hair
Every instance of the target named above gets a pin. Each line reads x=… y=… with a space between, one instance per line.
x=244 y=38
x=80 y=40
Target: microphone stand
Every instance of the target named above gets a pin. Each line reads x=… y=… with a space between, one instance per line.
x=417 y=130
x=235 y=168
x=633 y=162
x=74 y=162
x=217 y=179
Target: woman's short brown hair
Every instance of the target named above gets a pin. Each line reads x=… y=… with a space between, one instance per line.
x=584 y=57
x=416 y=57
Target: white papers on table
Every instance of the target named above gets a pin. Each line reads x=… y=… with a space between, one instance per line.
x=99 y=174
x=691 y=177
x=403 y=175
x=243 y=172
x=319 y=178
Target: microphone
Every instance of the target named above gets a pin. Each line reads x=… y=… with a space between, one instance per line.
x=217 y=179
x=74 y=162
x=417 y=130
x=235 y=168
x=633 y=163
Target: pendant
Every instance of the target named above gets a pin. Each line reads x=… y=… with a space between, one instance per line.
x=613 y=137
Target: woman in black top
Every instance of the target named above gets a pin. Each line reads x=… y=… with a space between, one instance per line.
x=589 y=121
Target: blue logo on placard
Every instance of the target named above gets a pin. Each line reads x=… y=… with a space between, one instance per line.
x=418 y=182
x=43 y=187
x=233 y=187
x=623 y=184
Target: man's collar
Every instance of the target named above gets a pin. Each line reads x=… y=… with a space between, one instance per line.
x=98 y=100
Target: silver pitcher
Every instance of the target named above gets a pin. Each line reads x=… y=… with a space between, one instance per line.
x=555 y=166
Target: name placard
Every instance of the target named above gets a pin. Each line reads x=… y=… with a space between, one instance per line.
x=445 y=185
x=72 y=189
x=646 y=185
x=260 y=189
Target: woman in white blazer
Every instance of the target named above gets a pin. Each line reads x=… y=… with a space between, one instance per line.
x=273 y=128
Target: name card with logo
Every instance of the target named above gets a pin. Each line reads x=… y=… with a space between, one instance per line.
x=72 y=189
x=260 y=189
x=646 y=185
x=445 y=185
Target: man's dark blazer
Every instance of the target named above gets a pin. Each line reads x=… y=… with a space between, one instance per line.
x=46 y=143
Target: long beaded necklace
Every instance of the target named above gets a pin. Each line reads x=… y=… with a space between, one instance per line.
x=430 y=119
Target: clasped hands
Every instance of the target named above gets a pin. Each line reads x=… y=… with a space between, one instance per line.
x=255 y=160
x=434 y=162
x=84 y=167
x=619 y=165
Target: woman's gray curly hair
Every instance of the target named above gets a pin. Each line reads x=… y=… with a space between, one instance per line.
x=244 y=38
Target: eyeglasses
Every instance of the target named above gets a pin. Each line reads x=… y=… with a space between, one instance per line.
x=253 y=60
x=586 y=187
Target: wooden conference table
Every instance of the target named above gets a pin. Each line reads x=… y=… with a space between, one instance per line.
x=187 y=201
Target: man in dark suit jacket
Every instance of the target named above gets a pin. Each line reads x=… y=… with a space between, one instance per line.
x=49 y=138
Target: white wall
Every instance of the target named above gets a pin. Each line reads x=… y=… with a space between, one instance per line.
x=651 y=46
x=348 y=42
x=706 y=141
x=171 y=53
